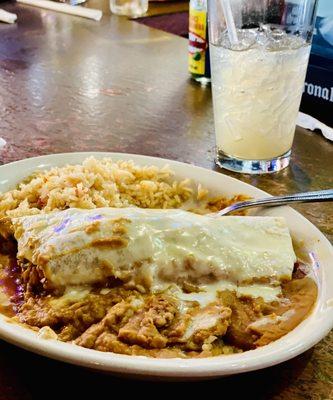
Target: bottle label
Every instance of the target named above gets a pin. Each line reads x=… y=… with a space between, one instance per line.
x=197 y=41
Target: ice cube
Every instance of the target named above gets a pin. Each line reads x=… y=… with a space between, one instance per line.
x=246 y=39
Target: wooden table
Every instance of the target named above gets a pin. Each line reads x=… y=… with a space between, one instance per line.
x=70 y=84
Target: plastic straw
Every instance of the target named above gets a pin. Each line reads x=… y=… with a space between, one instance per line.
x=229 y=19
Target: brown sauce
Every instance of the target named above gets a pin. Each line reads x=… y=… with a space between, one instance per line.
x=302 y=294
x=11 y=285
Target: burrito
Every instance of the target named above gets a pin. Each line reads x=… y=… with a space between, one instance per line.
x=148 y=248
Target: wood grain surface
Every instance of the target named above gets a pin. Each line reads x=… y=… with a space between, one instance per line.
x=71 y=84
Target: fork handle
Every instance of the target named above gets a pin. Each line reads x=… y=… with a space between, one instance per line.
x=318 y=196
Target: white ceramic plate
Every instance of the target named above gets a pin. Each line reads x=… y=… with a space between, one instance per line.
x=307 y=334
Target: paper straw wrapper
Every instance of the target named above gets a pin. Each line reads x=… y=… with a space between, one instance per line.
x=7 y=17
x=90 y=13
x=308 y=122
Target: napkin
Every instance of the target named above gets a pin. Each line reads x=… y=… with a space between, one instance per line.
x=8 y=17
x=2 y=143
x=308 y=122
x=65 y=8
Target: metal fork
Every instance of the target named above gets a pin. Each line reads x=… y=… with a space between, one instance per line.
x=308 y=197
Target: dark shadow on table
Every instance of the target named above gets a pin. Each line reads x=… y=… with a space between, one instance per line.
x=40 y=378
x=176 y=24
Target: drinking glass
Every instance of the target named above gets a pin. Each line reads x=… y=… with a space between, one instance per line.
x=130 y=8
x=259 y=52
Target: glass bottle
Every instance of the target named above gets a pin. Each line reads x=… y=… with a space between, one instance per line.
x=199 y=63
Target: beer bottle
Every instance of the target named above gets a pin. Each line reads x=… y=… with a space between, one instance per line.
x=199 y=65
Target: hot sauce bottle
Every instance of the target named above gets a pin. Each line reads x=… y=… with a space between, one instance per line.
x=199 y=65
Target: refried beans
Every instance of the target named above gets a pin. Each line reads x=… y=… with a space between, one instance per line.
x=125 y=321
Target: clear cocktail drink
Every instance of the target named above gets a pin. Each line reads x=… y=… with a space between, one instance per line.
x=257 y=90
x=259 y=51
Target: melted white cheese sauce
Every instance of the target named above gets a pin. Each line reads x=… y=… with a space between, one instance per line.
x=72 y=294
x=272 y=319
x=209 y=293
x=172 y=245
x=268 y=293
x=202 y=321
